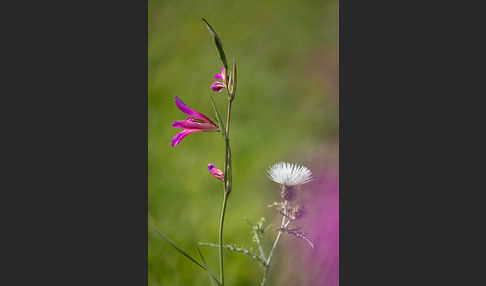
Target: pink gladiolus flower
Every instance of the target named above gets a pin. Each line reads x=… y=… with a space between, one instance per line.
x=216 y=172
x=196 y=122
x=217 y=85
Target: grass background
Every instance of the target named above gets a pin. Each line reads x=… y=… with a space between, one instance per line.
x=286 y=108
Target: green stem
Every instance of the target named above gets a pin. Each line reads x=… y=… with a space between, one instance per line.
x=221 y=268
x=228 y=119
x=265 y=273
x=227 y=191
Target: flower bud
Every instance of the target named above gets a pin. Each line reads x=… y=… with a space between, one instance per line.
x=298 y=212
x=288 y=193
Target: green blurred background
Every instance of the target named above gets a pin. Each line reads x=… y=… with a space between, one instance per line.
x=286 y=108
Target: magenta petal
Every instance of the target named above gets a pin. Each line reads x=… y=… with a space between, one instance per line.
x=187 y=110
x=215 y=171
x=217 y=86
x=184 y=108
x=220 y=75
x=190 y=124
x=181 y=135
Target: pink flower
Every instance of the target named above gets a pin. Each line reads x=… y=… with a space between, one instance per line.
x=217 y=85
x=196 y=122
x=216 y=172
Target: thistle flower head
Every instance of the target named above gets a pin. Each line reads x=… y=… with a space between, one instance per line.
x=289 y=174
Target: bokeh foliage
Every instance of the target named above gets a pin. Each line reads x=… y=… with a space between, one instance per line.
x=286 y=108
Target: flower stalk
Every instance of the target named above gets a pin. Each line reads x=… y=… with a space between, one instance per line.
x=227 y=190
x=228 y=83
x=283 y=225
x=221 y=223
x=227 y=178
x=230 y=90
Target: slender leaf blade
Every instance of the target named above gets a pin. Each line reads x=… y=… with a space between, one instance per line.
x=218 y=116
x=219 y=45
x=178 y=248
x=233 y=80
x=185 y=254
x=205 y=264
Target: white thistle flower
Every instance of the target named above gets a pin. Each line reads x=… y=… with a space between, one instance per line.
x=289 y=174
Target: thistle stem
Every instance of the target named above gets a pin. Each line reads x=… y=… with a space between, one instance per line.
x=283 y=225
x=276 y=241
x=264 y=279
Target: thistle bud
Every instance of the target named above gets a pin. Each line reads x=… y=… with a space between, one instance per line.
x=288 y=193
x=298 y=212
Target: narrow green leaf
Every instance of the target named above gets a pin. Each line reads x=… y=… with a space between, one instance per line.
x=205 y=264
x=185 y=254
x=228 y=173
x=219 y=45
x=202 y=257
x=233 y=80
x=177 y=248
x=218 y=117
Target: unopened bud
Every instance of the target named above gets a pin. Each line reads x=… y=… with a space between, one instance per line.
x=298 y=212
x=288 y=193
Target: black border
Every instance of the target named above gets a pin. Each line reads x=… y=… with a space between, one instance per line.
x=401 y=193
x=75 y=181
